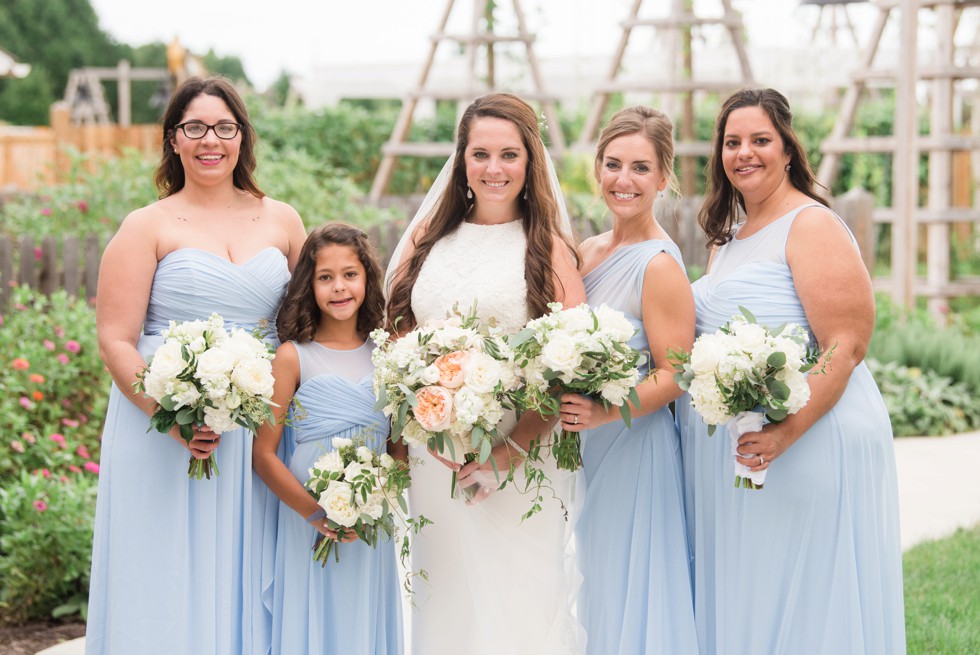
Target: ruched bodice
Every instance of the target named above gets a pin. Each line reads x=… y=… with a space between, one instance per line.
x=481 y=264
x=192 y=284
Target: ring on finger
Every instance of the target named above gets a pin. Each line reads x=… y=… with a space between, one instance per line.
x=762 y=460
x=575 y=421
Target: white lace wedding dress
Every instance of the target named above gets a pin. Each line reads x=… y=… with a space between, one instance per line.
x=496 y=586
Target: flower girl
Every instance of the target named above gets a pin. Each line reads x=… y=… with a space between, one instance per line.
x=323 y=375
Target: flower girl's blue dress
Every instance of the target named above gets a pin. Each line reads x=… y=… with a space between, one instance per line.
x=354 y=605
x=173 y=568
x=812 y=562
x=636 y=595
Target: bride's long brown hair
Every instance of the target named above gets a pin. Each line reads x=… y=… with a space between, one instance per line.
x=537 y=204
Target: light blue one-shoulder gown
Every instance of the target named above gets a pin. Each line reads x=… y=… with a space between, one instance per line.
x=173 y=564
x=354 y=605
x=636 y=593
x=812 y=562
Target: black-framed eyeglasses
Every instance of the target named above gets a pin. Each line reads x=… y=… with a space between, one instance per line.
x=197 y=129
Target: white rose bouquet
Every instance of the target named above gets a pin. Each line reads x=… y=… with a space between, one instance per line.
x=446 y=385
x=579 y=350
x=357 y=490
x=202 y=375
x=746 y=373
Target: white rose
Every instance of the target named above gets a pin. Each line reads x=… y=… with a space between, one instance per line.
x=185 y=394
x=353 y=470
x=561 y=354
x=429 y=375
x=414 y=434
x=340 y=442
x=331 y=462
x=219 y=419
x=708 y=351
x=365 y=454
x=214 y=363
x=336 y=501
x=799 y=392
x=749 y=337
x=167 y=361
x=372 y=506
x=615 y=324
x=483 y=372
x=576 y=319
x=254 y=377
x=386 y=460
x=243 y=346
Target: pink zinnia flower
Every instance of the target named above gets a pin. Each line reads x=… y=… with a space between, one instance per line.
x=83 y=206
x=17 y=446
x=69 y=422
x=25 y=402
x=72 y=346
x=36 y=378
x=63 y=478
x=20 y=364
x=37 y=254
x=59 y=331
x=45 y=211
x=74 y=469
x=63 y=358
x=40 y=505
x=58 y=438
x=28 y=437
x=92 y=467
x=49 y=344
x=82 y=452
x=46 y=473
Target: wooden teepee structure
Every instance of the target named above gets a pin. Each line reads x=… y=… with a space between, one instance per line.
x=481 y=38
x=940 y=81
x=679 y=82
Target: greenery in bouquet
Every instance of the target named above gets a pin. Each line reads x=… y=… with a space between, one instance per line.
x=580 y=350
x=203 y=375
x=446 y=385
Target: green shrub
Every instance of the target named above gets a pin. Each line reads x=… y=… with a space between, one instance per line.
x=45 y=545
x=922 y=402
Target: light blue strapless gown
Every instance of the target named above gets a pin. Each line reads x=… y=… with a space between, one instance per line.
x=811 y=563
x=636 y=593
x=174 y=568
x=351 y=606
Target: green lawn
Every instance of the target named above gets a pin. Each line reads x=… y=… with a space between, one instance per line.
x=942 y=595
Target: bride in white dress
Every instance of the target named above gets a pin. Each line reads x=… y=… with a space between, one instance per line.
x=490 y=233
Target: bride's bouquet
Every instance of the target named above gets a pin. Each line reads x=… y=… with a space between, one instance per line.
x=579 y=350
x=203 y=375
x=446 y=385
x=357 y=489
x=746 y=373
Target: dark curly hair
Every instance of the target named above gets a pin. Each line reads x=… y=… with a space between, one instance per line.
x=169 y=175
x=723 y=201
x=300 y=314
x=538 y=209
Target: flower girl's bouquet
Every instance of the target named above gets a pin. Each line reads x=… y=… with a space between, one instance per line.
x=446 y=385
x=357 y=489
x=202 y=375
x=746 y=373
x=579 y=350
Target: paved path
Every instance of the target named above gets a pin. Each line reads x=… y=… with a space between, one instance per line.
x=938 y=489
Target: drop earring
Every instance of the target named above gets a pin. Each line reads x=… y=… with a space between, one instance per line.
x=788 y=166
x=525 y=192
x=469 y=192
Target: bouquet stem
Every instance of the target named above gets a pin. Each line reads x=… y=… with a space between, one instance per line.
x=203 y=468
x=322 y=549
x=743 y=422
x=568 y=451
x=469 y=491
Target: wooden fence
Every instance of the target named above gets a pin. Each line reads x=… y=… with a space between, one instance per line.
x=72 y=263
x=34 y=156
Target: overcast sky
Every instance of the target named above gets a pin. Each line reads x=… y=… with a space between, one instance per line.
x=294 y=35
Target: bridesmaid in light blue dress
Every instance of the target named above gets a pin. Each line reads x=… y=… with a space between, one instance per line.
x=173 y=564
x=324 y=365
x=630 y=537
x=811 y=563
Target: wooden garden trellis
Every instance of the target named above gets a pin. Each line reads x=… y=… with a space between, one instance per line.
x=906 y=144
x=478 y=37
x=679 y=24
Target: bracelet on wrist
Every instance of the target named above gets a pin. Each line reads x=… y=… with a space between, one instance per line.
x=513 y=444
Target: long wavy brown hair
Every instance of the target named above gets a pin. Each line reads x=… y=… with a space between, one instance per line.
x=538 y=208
x=654 y=125
x=169 y=175
x=300 y=315
x=723 y=202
